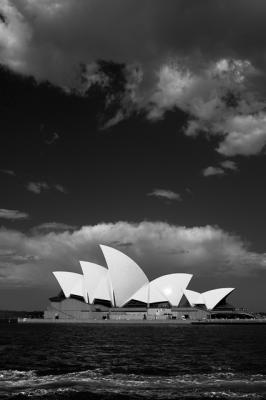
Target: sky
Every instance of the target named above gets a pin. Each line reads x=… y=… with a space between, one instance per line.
x=139 y=125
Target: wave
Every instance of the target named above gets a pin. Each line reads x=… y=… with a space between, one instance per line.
x=99 y=383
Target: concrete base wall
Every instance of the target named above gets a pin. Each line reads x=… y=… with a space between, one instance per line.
x=75 y=309
x=72 y=309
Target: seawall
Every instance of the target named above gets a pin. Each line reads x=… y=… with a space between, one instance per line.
x=104 y=322
x=143 y=322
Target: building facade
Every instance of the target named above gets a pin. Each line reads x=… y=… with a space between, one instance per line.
x=122 y=291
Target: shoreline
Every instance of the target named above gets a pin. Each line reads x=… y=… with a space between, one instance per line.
x=141 y=322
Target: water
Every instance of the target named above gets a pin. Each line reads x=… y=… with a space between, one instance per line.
x=132 y=362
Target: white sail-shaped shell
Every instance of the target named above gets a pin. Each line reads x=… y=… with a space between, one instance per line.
x=213 y=297
x=172 y=286
x=124 y=280
x=79 y=289
x=141 y=294
x=103 y=290
x=68 y=281
x=193 y=297
x=155 y=296
x=149 y=294
x=126 y=276
x=93 y=275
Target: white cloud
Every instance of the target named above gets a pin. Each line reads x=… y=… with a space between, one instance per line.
x=210 y=171
x=38 y=187
x=172 y=90
x=60 y=188
x=12 y=214
x=219 y=99
x=223 y=167
x=15 y=35
x=165 y=194
x=228 y=164
x=158 y=247
x=197 y=92
x=246 y=134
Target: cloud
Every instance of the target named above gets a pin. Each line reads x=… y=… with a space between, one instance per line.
x=38 y=187
x=53 y=227
x=12 y=214
x=117 y=85
x=67 y=32
x=159 y=248
x=15 y=34
x=165 y=194
x=218 y=100
x=190 y=55
x=210 y=171
x=172 y=90
x=220 y=170
x=8 y=172
x=52 y=138
x=60 y=188
x=228 y=164
x=246 y=135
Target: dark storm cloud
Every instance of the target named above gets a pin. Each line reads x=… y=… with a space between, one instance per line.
x=50 y=38
x=205 y=58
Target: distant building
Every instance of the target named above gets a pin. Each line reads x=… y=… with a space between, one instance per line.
x=123 y=291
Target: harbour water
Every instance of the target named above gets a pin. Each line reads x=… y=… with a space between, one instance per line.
x=67 y=361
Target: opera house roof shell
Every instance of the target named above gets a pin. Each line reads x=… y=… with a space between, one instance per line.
x=124 y=281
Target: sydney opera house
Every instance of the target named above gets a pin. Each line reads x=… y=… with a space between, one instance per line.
x=123 y=291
